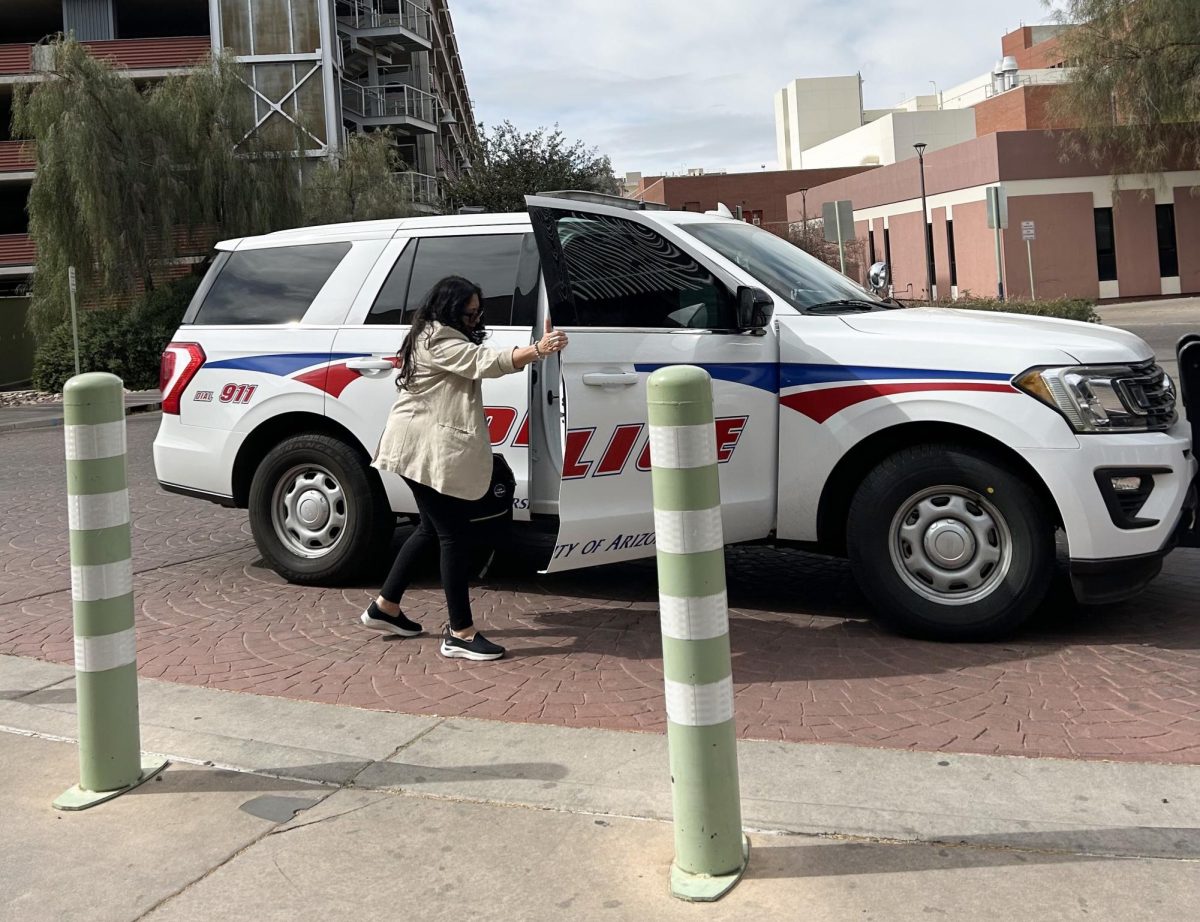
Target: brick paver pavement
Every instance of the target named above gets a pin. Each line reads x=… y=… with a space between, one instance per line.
x=1121 y=682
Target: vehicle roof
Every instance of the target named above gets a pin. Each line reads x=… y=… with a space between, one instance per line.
x=389 y=227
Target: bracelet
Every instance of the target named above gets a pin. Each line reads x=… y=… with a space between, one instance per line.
x=538 y=350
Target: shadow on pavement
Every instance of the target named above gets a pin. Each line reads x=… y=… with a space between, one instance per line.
x=833 y=859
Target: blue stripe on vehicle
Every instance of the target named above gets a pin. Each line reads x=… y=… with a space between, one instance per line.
x=792 y=375
x=762 y=375
x=283 y=364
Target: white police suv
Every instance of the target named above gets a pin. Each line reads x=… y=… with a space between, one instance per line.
x=940 y=450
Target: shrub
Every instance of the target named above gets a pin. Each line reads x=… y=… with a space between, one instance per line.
x=127 y=341
x=1082 y=309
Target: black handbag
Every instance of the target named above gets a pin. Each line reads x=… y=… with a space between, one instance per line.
x=491 y=516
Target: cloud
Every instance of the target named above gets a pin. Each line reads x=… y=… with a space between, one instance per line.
x=663 y=84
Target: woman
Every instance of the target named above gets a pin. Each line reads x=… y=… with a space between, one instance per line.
x=436 y=438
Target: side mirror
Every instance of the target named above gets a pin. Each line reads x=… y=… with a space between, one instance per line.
x=878 y=277
x=753 y=308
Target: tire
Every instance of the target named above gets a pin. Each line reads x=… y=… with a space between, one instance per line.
x=331 y=483
x=948 y=544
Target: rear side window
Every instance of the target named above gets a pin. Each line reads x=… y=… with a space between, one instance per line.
x=490 y=261
x=269 y=286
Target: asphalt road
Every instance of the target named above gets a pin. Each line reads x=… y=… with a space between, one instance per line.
x=1159 y=323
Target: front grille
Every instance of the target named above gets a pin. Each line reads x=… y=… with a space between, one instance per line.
x=1149 y=393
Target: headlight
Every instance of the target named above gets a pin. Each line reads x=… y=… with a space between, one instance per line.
x=1105 y=398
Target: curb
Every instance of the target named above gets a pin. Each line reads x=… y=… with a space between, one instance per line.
x=56 y=422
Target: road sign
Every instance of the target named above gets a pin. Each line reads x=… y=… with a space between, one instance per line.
x=1028 y=231
x=997 y=207
x=838 y=215
x=839 y=226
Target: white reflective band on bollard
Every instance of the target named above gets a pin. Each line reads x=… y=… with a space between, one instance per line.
x=109 y=651
x=99 y=440
x=682 y=446
x=700 y=705
x=689 y=532
x=99 y=510
x=101 y=581
x=694 y=619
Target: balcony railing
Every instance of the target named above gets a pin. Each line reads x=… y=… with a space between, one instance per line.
x=16 y=250
x=365 y=14
x=17 y=157
x=389 y=102
x=129 y=53
x=421 y=187
x=16 y=59
x=1048 y=77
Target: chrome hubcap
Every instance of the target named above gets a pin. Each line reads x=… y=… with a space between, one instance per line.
x=308 y=511
x=950 y=545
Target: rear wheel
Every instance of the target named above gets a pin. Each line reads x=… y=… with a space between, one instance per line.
x=949 y=544
x=317 y=511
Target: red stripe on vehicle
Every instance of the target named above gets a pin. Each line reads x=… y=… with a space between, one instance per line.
x=820 y=405
x=332 y=379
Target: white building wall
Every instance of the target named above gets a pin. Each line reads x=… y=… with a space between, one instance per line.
x=812 y=110
x=890 y=139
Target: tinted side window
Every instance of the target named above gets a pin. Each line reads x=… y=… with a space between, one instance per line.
x=490 y=261
x=623 y=274
x=275 y=285
x=389 y=303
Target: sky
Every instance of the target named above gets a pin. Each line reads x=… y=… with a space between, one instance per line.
x=665 y=85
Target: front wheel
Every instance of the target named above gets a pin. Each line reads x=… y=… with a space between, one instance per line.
x=948 y=544
x=317 y=511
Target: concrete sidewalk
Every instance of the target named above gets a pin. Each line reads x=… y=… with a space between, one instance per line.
x=49 y=415
x=276 y=809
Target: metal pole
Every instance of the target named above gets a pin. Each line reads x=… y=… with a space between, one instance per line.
x=1029 y=257
x=925 y=231
x=841 y=243
x=74 y=318
x=999 y=266
x=711 y=851
x=110 y=760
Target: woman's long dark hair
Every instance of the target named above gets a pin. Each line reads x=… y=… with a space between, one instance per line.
x=446 y=303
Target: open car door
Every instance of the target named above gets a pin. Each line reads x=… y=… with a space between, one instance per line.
x=634 y=294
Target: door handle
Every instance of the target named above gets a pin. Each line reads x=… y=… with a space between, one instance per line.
x=609 y=379
x=371 y=368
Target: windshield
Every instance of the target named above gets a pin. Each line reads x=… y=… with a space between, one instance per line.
x=800 y=279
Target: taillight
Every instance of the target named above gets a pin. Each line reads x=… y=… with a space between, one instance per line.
x=172 y=380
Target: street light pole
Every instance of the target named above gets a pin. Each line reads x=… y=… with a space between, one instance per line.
x=804 y=211
x=920 y=149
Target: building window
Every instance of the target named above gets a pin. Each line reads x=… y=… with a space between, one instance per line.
x=1106 y=245
x=887 y=247
x=1168 y=253
x=871 y=246
x=932 y=258
x=950 y=253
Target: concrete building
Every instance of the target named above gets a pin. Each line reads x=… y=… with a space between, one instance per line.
x=326 y=67
x=1095 y=236
x=1141 y=240
x=820 y=122
x=815 y=109
x=762 y=197
x=890 y=138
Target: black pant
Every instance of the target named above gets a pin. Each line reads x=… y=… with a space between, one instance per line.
x=444 y=519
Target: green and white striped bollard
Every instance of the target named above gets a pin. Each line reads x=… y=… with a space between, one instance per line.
x=110 y=759
x=711 y=850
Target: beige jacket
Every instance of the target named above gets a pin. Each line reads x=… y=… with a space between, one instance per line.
x=436 y=432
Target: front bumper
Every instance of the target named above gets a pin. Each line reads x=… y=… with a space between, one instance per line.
x=1117 y=578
